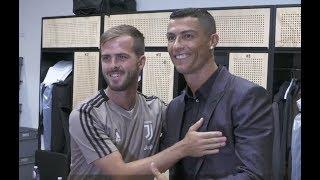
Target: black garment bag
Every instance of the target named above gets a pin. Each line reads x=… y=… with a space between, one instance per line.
x=96 y=7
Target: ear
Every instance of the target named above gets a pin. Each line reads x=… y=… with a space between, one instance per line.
x=214 y=39
x=141 y=62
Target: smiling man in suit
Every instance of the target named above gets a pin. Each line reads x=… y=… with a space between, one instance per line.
x=238 y=108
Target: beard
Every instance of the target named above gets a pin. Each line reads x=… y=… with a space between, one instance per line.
x=129 y=79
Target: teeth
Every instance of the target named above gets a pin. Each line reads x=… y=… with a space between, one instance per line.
x=114 y=75
x=181 y=56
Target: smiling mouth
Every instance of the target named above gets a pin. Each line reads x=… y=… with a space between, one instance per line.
x=181 y=56
x=114 y=74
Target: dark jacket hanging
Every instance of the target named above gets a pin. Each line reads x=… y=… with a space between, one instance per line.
x=285 y=110
x=290 y=111
x=278 y=165
x=61 y=108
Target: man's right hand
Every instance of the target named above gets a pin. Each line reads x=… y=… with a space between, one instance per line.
x=197 y=144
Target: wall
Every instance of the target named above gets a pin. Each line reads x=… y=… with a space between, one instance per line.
x=30 y=16
x=31 y=13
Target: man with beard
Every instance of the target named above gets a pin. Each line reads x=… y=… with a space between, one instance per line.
x=114 y=132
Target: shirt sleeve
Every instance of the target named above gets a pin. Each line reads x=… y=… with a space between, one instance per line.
x=89 y=134
x=163 y=143
x=164 y=112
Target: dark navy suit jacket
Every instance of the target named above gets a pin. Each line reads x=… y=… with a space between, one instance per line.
x=242 y=111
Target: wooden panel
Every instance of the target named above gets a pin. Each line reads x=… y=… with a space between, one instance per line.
x=71 y=32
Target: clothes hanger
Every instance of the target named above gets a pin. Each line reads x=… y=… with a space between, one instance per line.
x=287 y=91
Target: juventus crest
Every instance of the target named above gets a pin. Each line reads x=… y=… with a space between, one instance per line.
x=148 y=130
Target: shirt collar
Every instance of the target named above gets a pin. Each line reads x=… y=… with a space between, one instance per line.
x=204 y=91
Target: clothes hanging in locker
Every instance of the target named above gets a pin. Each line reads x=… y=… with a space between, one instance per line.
x=278 y=166
x=291 y=111
x=46 y=116
x=57 y=73
x=53 y=122
x=296 y=145
x=284 y=110
x=61 y=109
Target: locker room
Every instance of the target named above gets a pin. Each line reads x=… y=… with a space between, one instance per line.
x=60 y=66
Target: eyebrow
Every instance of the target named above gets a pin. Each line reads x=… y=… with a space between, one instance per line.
x=183 y=32
x=102 y=55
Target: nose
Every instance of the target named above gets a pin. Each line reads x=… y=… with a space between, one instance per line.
x=113 y=63
x=177 y=44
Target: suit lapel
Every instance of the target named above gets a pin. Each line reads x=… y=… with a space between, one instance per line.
x=209 y=108
x=216 y=93
x=178 y=115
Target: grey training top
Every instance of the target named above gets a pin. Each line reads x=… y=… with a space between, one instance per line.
x=99 y=127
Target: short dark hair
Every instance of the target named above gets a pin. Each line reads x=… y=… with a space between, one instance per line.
x=205 y=18
x=122 y=30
